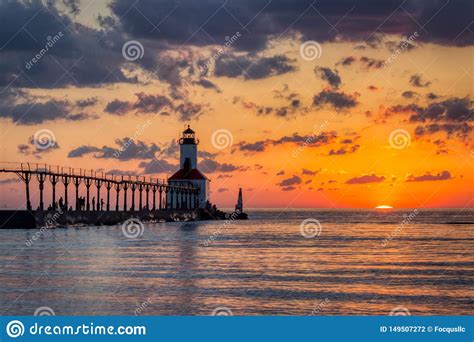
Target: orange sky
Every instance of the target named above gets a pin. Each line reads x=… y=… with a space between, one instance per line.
x=363 y=170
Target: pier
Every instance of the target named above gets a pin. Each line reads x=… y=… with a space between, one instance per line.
x=91 y=198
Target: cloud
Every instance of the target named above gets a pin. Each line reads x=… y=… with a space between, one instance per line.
x=294 y=180
x=222 y=190
x=328 y=75
x=462 y=130
x=23 y=108
x=452 y=116
x=252 y=67
x=210 y=166
x=209 y=22
x=371 y=63
x=309 y=172
x=335 y=99
x=343 y=150
x=417 y=81
x=156 y=104
x=372 y=178
x=443 y=175
x=205 y=83
x=32 y=149
x=409 y=94
x=323 y=138
x=156 y=166
x=128 y=149
x=346 y=61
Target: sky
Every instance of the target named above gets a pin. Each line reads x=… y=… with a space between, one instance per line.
x=324 y=104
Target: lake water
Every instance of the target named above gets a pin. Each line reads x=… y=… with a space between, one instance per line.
x=358 y=263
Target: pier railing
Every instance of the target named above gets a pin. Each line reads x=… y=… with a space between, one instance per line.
x=177 y=196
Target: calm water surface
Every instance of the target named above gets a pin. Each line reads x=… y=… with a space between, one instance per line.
x=255 y=267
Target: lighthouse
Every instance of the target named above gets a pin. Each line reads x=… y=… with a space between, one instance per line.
x=188 y=172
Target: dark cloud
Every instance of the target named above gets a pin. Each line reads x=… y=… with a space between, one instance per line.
x=210 y=22
x=328 y=75
x=205 y=83
x=323 y=138
x=156 y=104
x=253 y=67
x=335 y=99
x=210 y=166
x=127 y=149
x=432 y=96
x=86 y=102
x=346 y=61
x=33 y=148
x=417 y=81
x=343 y=150
x=280 y=173
x=157 y=166
x=24 y=109
x=452 y=116
x=290 y=181
x=372 y=178
x=409 y=94
x=371 y=63
x=459 y=130
x=443 y=175
x=309 y=172
x=43 y=47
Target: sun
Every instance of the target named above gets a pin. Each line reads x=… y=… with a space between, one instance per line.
x=383 y=207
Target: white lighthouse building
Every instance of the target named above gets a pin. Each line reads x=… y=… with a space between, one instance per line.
x=188 y=172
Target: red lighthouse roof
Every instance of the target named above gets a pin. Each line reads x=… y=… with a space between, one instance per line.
x=187 y=174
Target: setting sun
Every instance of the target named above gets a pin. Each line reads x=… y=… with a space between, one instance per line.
x=383 y=207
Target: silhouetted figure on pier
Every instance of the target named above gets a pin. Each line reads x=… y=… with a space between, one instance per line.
x=101 y=204
x=93 y=203
x=61 y=204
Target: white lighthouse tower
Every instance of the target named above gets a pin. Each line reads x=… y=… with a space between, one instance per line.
x=188 y=172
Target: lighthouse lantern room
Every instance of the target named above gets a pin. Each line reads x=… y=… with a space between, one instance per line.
x=188 y=172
